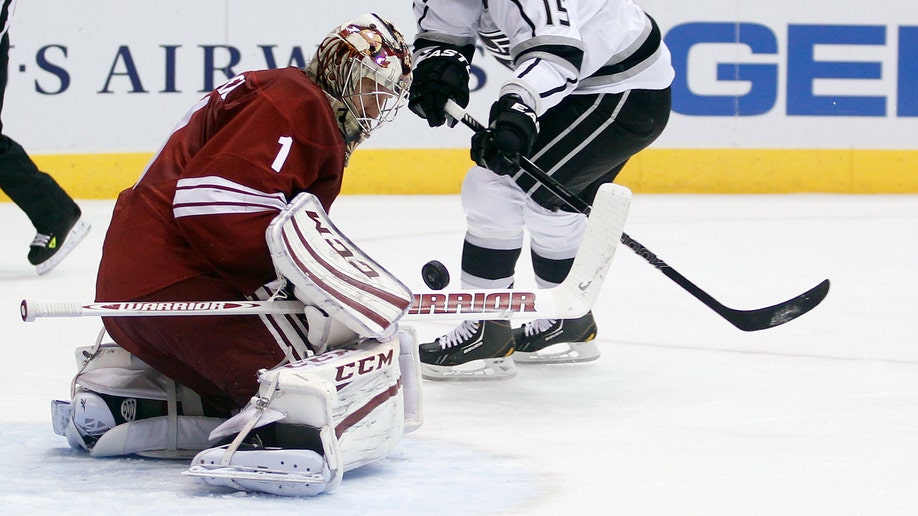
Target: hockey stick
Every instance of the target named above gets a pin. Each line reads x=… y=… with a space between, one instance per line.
x=746 y=320
x=570 y=299
x=480 y=304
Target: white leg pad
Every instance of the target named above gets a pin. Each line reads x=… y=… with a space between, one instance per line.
x=151 y=437
x=354 y=398
x=89 y=424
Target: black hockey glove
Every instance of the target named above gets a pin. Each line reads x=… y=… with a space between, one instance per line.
x=512 y=132
x=441 y=73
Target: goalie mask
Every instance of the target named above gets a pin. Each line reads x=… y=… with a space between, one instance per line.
x=364 y=66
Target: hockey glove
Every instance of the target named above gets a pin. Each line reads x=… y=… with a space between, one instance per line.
x=511 y=134
x=441 y=73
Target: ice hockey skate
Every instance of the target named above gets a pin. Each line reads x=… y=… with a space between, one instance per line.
x=475 y=350
x=556 y=341
x=49 y=248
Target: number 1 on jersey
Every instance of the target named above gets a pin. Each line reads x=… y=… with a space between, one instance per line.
x=285 y=143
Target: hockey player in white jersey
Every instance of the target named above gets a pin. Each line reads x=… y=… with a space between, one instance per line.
x=588 y=89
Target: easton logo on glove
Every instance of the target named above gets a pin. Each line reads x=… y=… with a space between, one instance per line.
x=446 y=53
x=525 y=111
x=512 y=133
x=441 y=73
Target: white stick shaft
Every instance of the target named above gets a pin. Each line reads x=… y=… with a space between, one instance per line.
x=32 y=310
x=454 y=305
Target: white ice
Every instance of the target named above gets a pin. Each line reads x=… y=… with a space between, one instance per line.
x=683 y=414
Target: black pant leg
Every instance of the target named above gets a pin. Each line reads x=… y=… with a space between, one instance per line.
x=43 y=200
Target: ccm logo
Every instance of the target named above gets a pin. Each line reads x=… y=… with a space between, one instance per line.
x=363 y=366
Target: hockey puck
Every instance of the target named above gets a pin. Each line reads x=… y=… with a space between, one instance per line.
x=435 y=275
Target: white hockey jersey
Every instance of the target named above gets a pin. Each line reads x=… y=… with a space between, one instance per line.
x=556 y=47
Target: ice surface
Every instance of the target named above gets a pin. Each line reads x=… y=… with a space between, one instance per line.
x=683 y=413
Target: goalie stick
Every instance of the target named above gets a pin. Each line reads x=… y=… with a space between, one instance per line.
x=746 y=320
x=570 y=299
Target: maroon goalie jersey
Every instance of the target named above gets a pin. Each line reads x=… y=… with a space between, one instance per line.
x=202 y=205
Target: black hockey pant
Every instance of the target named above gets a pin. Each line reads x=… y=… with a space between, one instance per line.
x=586 y=140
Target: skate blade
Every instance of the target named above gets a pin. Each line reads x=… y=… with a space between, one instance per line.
x=476 y=370
x=562 y=353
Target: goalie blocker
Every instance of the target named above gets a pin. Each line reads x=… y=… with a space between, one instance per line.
x=329 y=271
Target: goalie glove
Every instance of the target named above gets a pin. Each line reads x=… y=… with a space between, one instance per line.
x=512 y=132
x=441 y=73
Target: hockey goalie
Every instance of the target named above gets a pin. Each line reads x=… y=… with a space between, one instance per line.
x=234 y=207
x=343 y=405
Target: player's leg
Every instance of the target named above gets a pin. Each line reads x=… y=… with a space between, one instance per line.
x=493 y=242
x=555 y=239
x=585 y=142
x=55 y=216
x=217 y=357
x=121 y=406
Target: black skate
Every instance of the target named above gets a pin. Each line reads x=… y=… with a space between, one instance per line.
x=475 y=350
x=556 y=341
x=50 y=248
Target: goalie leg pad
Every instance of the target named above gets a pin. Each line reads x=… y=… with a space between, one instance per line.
x=347 y=404
x=89 y=419
x=122 y=406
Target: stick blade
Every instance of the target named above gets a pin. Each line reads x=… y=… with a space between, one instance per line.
x=776 y=315
x=576 y=295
